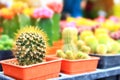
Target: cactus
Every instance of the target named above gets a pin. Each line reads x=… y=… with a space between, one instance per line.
x=68 y=40
x=70 y=55
x=75 y=35
x=80 y=43
x=81 y=55
x=18 y=21
x=46 y=25
x=101 y=31
x=56 y=27
x=92 y=42
x=115 y=47
x=30 y=46
x=101 y=49
x=85 y=49
x=60 y=54
x=86 y=33
x=70 y=34
x=103 y=38
x=72 y=46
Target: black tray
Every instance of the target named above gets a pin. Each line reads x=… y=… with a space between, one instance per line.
x=5 y=54
x=108 y=61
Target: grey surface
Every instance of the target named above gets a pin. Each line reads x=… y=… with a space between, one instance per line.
x=99 y=73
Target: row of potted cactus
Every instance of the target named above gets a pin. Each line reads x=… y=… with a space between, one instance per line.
x=30 y=51
x=74 y=60
x=31 y=48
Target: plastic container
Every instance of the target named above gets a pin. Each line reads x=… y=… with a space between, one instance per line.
x=79 y=66
x=40 y=71
x=108 y=61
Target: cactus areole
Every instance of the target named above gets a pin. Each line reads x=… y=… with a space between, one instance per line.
x=30 y=46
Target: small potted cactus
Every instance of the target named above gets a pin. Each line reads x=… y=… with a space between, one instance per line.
x=102 y=46
x=75 y=59
x=30 y=62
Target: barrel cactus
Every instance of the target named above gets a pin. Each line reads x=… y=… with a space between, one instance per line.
x=30 y=47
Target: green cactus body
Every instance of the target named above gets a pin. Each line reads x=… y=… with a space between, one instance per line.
x=30 y=46
x=81 y=55
x=115 y=47
x=103 y=38
x=11 y=26
x=69 y=44
x=67 y=35
x=56 y=27
x=85 y=34
x=80 y=43
x=101 y=49
x=46 y=25
x=70 y=55
x=85 y=49
x=75 y=35
x=60 y=54
x=92 y=42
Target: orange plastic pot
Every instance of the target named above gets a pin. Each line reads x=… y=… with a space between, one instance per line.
x=40 y=71
x=56 y=46
x=52 y=50
x=58 y=43
x=79 y=66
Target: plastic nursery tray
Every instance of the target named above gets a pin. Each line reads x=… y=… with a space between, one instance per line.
x=5 y=54
x=107 y=61
x=79 y=66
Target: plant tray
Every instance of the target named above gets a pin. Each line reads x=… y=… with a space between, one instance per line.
x=107 y=61
x=79 y=66
x=40 y=71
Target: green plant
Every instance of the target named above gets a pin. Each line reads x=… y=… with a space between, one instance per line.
x=68 y=39
x=86 y=49
x=92 y=42
x=85 y=33
x=115 y=47
x=60 y=54
x=80 y=43
x=30 y=46
x=101 y=49
x=72 y=47
x=6 y=43
x=82 y=55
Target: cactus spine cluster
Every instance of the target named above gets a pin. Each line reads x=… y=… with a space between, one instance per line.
x=30 y=46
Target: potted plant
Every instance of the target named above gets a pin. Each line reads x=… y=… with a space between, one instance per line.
x=75 y=59
x=102 y=46
x=30 y=62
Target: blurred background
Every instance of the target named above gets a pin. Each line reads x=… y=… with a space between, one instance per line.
x=81 y=14
x=90 y=8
